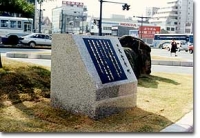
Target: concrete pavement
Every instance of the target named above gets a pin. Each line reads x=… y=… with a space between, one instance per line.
x=48 y=56
x=185 y=124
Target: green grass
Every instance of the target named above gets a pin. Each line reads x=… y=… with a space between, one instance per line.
x=25 y=106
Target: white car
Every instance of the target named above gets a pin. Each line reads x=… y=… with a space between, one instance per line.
x=180 y=46
x=36 y=39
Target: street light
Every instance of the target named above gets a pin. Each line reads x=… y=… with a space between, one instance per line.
x=125 y=6
x=40 y=14
x=141 y=17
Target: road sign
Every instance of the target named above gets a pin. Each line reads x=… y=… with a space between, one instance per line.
x=148 y=31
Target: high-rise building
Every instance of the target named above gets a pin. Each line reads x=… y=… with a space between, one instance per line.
x=175 y=17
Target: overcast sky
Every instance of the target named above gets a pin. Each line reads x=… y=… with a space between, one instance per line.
x=137 y=7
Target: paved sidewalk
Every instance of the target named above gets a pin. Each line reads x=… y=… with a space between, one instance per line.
x=185 y=124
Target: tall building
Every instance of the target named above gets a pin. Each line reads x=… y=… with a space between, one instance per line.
x=69 y=18
x=150 y=11
x=175 y=17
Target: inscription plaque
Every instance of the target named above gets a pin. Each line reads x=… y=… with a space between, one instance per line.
x=105 y=60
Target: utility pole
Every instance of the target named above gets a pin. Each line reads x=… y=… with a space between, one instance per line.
x=100 y=20
x=0 y=61
x=125 y=6
x=40 y=14
x=141 y=17
x=61 y=27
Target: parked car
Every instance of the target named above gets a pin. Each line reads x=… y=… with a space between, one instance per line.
x=183 y=47
x=191 y=48
x=166 y=45
x=150 y=45
x=180 y=46
x=35 y=39
x=12 y=38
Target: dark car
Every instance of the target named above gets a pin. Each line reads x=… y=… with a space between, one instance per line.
x=191 y=48
x=12 y=38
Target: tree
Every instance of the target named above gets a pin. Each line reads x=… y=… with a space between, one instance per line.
x=22 y=7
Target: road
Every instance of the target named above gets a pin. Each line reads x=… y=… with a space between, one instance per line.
x=155 y=68
x=156 y=52
x=165 y=53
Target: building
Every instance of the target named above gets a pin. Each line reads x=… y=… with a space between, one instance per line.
x=116 y=23
x=46 y=25
x=108 y=23
x=150 y=11
x=175 y=17
x=69 y=18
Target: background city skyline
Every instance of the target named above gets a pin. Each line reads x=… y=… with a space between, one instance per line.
x=93 y=7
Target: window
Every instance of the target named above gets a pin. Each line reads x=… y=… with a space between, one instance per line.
x=47 y=37
x=13 y=24
x=175 y=23
x=19 y=24
x=41 y=36
x=106 y=28
x=172 y=29
x=4 y=23
x=168 y=28
x=168 y=23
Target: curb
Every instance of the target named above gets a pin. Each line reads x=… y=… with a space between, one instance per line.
x=172 y=63
x=48 y=56
x=30 y=55
x=185 y=124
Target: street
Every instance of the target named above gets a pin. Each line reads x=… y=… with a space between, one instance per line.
x=165 y=53
x=155 y=68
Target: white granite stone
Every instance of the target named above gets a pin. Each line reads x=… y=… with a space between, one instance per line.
x=76 y=85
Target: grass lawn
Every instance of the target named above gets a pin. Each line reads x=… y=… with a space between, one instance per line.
x=25 y=104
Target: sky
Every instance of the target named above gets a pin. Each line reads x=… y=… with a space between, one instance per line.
x=137 y=7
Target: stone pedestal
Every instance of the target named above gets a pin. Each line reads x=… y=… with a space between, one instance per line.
x=91 y=75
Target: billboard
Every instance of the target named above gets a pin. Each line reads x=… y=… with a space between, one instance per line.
x=148 y=31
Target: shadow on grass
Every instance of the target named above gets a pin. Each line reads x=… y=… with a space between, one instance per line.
x=44 y=118
x=41 y=117
x=151 y=81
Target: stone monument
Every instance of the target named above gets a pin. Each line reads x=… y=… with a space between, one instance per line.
x=91 y=75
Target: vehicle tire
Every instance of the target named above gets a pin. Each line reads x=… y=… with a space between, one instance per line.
x=13 y=40
x=190 y=51
x=32 y=44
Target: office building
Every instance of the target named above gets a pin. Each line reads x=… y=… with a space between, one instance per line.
x=175 y=17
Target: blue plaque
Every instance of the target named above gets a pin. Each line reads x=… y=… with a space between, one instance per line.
x=105 y=60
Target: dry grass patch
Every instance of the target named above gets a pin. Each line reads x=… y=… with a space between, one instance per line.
x=162 y=99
